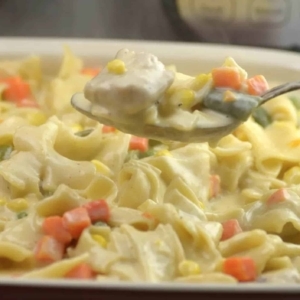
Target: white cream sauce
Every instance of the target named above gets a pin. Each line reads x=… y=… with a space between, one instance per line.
x=141 y=95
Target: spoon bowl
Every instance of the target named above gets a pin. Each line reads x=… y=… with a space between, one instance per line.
x=236 y=111
x=197 y=135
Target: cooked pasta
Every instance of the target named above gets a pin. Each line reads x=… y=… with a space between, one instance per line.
x=82 y=200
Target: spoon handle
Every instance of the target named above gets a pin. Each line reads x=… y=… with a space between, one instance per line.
x=280 y=90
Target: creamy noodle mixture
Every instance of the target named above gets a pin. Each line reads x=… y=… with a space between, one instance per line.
x=137 y=86
x=82 y=200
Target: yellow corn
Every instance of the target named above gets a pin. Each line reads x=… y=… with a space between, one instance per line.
x=201 y=80
x=189 y=267
x=292 y=176
x=76 y=127
x=17 y=205
x=36 y=118
x=101 y=168
x=184 y=97
x=163 y=152
x=294 y=143
x=116 y=66
x=100 y=240
x=229 y=96
x=2 y=202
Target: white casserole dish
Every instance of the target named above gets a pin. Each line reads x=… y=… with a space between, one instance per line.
x=277 y=66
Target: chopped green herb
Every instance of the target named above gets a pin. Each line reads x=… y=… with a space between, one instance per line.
x=136 y=154
x=262 y=117
x=132 y=154
x=296 y=101
x=100 y=224
x=147 y=153
x=22 y=215
x=5 y=151
x=84 y=133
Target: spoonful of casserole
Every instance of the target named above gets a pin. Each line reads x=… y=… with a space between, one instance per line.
x=137 y=94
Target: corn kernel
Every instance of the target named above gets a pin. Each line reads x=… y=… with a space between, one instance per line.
x=184 y=97
x=201 y=80
x=17 y=205
x=292 y=176
x=229 y=96
x=163 y=152
x=189 y=267
x=76 y=128
x=100 y=240
x=294 y=143
x=36 y=118
x=2 y=202
x=116 y=66
x=101 y=168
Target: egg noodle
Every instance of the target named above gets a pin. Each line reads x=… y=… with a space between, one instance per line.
x=78 y=200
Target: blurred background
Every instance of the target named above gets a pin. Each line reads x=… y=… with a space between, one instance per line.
x=267 y=23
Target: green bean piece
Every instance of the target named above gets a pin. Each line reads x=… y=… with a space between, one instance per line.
x=261 y=116
x=296 y=101
x=22 y=215
x=84 y=133
x=5 y=151
x=239 y=109
x=132 y=154
x=153 y=143
x=147 y=153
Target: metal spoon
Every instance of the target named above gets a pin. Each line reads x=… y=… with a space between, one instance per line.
x=237 y=112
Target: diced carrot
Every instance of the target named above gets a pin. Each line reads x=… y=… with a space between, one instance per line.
x=76 y=220
x=257 y=85
x=242 y=268
x=82 y=271
x=54 y=227
x=215 y=186
x=27 y=103
x=17 y=89
x=226 y=77
x=138 y=143
x=108 y=129
x=98 y=210
x=230 y=228
x=279 y=196
x=49 y=250
x=91 y=72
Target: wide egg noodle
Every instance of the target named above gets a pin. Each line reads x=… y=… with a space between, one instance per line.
x=261 y=215
x=56 y=270
x=191 y=163
x=161 y=246
x=138 y=182
x=198 y=237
